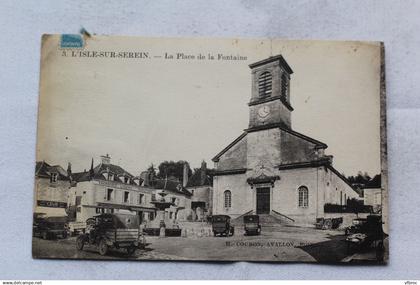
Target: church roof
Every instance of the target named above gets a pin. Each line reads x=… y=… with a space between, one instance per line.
x=271 y=59
x=318 y=144
x=216 y=158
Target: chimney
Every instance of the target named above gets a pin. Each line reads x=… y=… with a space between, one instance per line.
x=185 y=175
x=106 y=159
x=69 y=170
x=147 y=179
x=203 y=172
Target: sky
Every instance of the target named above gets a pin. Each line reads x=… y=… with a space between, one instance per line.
x=147 y=110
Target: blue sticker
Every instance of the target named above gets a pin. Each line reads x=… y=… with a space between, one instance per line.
x=71 y=41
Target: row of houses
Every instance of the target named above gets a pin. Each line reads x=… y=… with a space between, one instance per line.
x=109 y=188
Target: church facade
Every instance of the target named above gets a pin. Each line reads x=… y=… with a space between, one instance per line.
x=270 y=168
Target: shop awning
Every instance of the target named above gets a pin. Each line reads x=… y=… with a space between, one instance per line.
x=50 y=211
x=126 y=207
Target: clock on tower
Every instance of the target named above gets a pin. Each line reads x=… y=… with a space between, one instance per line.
x=270 y=100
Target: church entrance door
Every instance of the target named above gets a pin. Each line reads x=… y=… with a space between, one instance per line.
x=263 y=200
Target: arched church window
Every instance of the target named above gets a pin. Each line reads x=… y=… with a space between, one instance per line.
x=265 y=84
x=228 y=199
x=303 y=196
x=284 y=86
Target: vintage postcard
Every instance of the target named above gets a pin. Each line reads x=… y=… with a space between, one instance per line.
x=211 y=150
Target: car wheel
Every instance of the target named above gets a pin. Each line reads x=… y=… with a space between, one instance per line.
x=103 y=247
x=80 y=242
x=131 y=250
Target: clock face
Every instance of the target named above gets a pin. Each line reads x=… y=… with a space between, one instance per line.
x=264 y=111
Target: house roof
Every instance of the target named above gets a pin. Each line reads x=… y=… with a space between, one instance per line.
x=98 y=173
x=43 y=169
x=81 y=176
x=171 y=185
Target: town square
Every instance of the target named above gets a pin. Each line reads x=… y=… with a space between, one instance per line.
x=270 y=192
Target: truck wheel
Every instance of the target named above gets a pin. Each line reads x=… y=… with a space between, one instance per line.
x=131 y=250
x=80 y=242
x=103 y=247
x=328 y=225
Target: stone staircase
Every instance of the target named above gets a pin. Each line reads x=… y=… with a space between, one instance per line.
x=269 y=222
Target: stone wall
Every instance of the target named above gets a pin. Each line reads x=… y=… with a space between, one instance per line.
x=46 y=191
x=285 y=194
x=263 y=147
x=241 y=195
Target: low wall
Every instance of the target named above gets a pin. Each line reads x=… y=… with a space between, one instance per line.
x=195 y=229
x=347 y=217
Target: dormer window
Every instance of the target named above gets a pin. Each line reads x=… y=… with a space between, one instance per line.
x=111 y=177
x=265 y=82
x=54 y=177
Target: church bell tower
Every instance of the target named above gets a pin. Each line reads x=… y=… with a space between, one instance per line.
x=270 y=100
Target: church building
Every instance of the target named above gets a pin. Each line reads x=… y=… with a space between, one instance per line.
x=271 y=169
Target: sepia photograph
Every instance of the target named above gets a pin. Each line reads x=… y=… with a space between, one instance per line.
x=200 y=149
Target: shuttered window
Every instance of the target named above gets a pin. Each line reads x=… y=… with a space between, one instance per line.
x=228 y=199
x=284 y=86
x=265 y=82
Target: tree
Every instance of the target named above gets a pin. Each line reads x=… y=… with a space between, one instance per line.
x=360 y=179
x=174 y=169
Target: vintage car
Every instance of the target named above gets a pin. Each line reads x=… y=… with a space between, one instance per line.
x=221 y=226
x=112 y=231
x=328 y=223
x=252 y=224
x=369 y=234
x=356 y=227
x=49 y=227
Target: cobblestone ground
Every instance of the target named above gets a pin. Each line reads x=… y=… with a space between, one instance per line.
x=280 y=244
